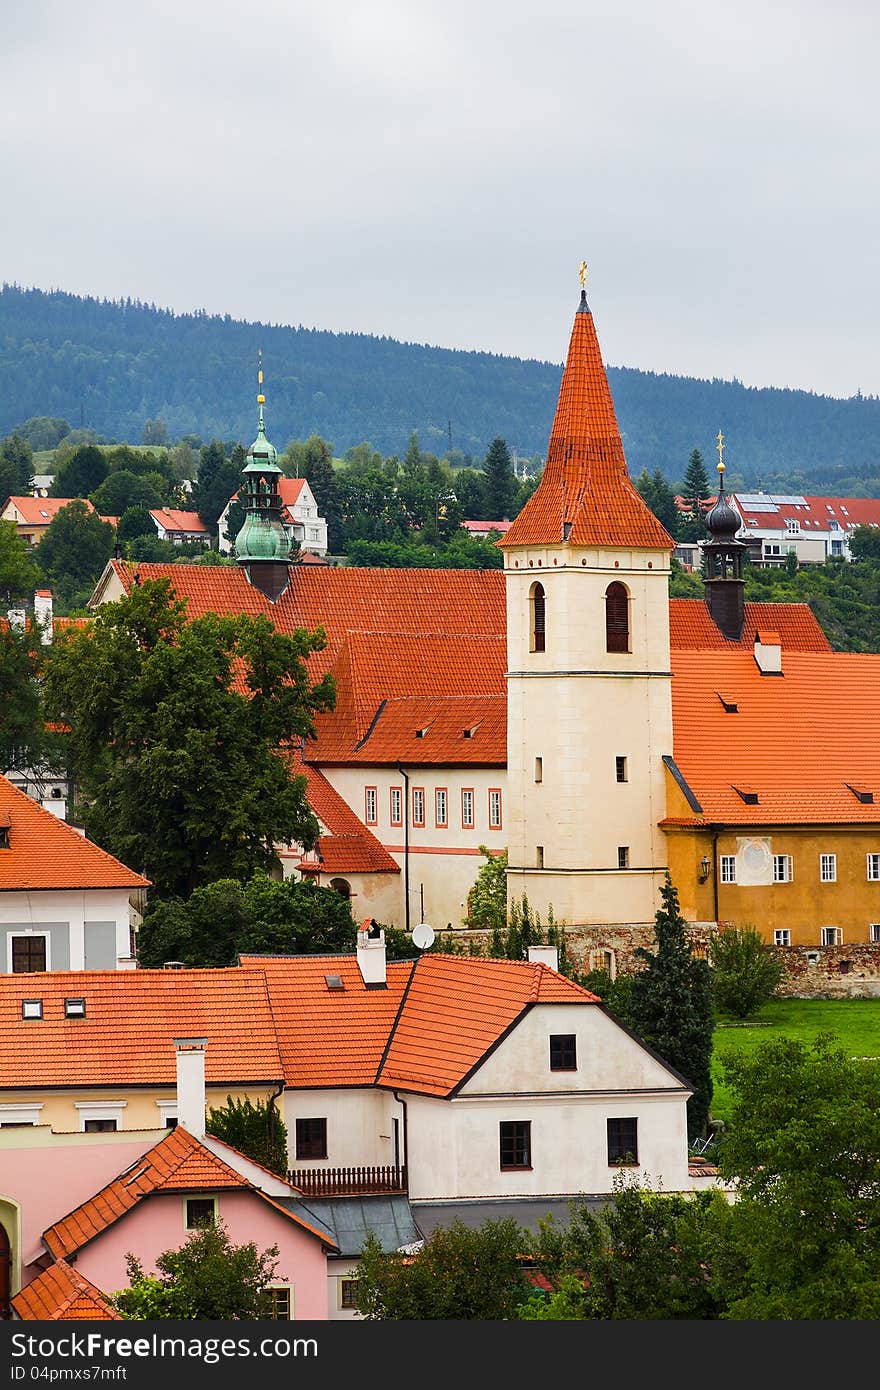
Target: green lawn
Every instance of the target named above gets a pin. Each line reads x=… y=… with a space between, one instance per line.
x=855 y=1024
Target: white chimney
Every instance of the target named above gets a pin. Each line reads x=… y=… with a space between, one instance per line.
x=768 y=652
x=191 y=1084
x=43 y=614
x=545 y=955
x=371 y=954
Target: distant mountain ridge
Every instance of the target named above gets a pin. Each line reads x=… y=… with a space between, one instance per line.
x=115 y=363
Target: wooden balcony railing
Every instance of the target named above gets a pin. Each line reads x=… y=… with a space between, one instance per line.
x=348 y=1182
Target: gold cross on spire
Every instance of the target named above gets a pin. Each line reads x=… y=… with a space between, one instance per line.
x=583 y=274
x=721 y=463
x=260 y=398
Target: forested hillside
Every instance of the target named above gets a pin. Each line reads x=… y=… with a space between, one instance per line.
x=112 y=365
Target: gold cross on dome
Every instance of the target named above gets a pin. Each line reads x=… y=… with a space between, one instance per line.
x=721 y=464
x=583 y=274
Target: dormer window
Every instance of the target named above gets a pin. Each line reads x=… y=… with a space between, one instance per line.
x=538 y=619
x=5 y=827
x=74 y=1008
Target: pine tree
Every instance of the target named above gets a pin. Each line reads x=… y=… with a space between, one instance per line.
x=695 y=492
x=671 y=1006
x=500 y=485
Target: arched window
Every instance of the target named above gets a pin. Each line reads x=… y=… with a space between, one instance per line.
x=538 y=615
x=616 y=618
x=341 y=886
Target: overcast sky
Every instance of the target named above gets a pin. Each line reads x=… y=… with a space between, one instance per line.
x=435 y=170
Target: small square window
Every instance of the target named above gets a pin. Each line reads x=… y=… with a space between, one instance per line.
x=311 y=1138
x=563 y=1052
x=280 y=1307
x=32 y=1008
x=782 y=937
x=348 y=1293
x=620 y=770
x=99 y=1126
x=516 y=1143
x=74 y=1008
x=200 y=1212
x=623 y=1141
x=623 y=856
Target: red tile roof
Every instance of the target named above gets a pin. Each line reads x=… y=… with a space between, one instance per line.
x=347 y=846
x=585 y=495
x=132 y=1018
x=62 y=1294
x=435 y=1021
x=692 y=629
x=178 y=1163
x=45 y=852
x=175 y=521
x=40 y=511
x=801 y=741
x=814 y=514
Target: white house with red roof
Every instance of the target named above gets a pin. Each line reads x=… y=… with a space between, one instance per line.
x=65 y=904
x=815 y=529
x=179 y=527
x=32 y=516
x=299 y=514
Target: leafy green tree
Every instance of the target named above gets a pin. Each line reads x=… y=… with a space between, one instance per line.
x=802 y=1240
x=315 y=464
x=671 y=1005
x=218 y=479
x=25 y=741
x=135 y=521
x=656 y=492
x=487 y=896
x=615 y=994
x=500 y=482
x=184 y=461
x=745 y=972
x=255 y=1130
x=16 y=467
x=178 y=768
x=459 y=1272
x=642 y=1255
x=695 y=492
x=83 y=472
x=207 y=1279
x=864 y=543
x=74 y=550
x=123 y=489
x=19 y=575
x=154 y=432
x=228 y=918
x=44 y=431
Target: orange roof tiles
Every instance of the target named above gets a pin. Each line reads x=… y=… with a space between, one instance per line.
x=176 y=521
x=348 y=846
x=132 y=1018
x=585 y=495
x=437 y=1018
x=62 y=1294
x=46 y=853
x=40 y=511
x=800 y=741
x=691 y=627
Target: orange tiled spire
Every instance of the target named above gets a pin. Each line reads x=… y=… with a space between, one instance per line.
x=585 y=496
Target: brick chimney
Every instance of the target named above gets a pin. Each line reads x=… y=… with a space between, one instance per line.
x=371 y=954
x=191 y=1084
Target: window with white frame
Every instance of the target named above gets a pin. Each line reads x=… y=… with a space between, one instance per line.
x=418 y=806
x=874 y=931
x=782 y=937
x=727 y=864
x=832 y=936
x=396 y=805
x=467 y=808
x=98 y=1115
x=874 y=866
x=783 y=870
x=828 y=868
x=371 y=805
x=441 y=807
x=793 y=525
x=495 y=808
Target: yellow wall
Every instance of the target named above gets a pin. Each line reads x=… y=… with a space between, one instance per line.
x=141 y=1112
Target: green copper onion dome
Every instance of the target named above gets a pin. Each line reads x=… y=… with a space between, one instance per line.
x=262 y=537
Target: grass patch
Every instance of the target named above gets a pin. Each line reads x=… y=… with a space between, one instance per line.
x=854 y=1023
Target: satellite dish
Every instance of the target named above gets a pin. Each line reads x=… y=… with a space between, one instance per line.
x=423 y=936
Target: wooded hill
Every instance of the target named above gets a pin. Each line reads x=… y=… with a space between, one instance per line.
x=111 y=365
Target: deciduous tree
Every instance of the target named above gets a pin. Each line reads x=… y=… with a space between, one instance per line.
x=255 y=1130
x=208 y=1278
x=460 y=1272
x=745 y=971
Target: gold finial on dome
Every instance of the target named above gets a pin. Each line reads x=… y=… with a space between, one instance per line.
x=583 y=274
x=261 y=399
x=721 y=463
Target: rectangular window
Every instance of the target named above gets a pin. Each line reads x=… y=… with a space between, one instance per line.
x=348 y=1293
x=539 y=769
x=494 y=808
x=832 y=936
x=539 y=856
x=782 y=937
x=32 y=1008
x=623 y=1141
x=311 y=1138
x=874 y=933
x=874 y=866
x=200 y=1212
x=99 y=1126
x=74 y=1008
x=516 y=1143
x=418 y=806
x=441 y=808
x=563 y=1052
x=623 y=856
x=280 y=1307
x=728 y=868
x=828 y=868
x=620 y=769
x=371 y=805
x=28 y=954
x=396 y=805
x=467 y=808
x=782 y=868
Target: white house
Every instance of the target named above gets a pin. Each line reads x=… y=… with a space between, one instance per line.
x=179 y=527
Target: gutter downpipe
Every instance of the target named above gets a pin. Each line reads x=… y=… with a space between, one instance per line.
x=405 y=777
x=405 y=1156
x=271 y=1104
x=715 y=834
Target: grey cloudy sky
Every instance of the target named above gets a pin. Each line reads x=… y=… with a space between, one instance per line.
x=435 y=170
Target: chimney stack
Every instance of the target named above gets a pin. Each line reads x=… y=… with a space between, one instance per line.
x=43 y=614
x=544 y=955
x=191 y=1084
x=768 y=652
x=371 y=954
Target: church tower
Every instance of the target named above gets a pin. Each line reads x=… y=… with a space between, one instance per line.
x=261 y=546
x=589 y=683
x=723 y=557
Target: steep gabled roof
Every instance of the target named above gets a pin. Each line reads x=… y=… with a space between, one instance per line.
x=62 y=1294
x=348 y=846
x=45 y=852
x=40 y=511
x=691 y=627
x=585 y=495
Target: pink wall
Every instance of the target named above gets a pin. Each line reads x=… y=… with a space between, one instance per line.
x=49 y=1182
x=156 y=1224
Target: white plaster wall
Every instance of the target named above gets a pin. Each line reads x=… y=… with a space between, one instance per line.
x=73 y=906
x=359 y=1128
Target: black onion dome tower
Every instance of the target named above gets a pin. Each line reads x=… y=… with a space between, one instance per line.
x=723 y=557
